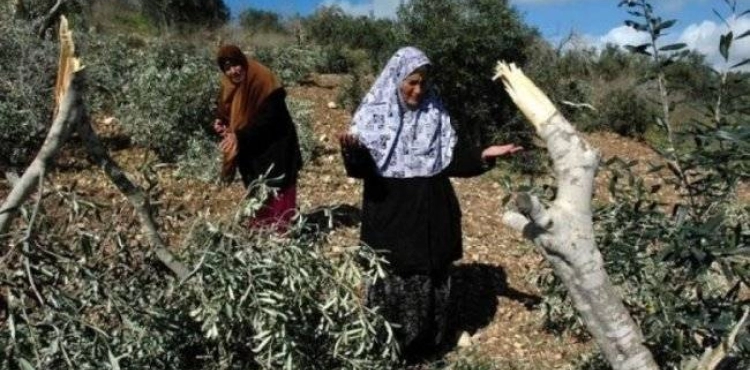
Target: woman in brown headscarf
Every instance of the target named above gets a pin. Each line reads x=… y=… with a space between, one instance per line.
x=259 y=136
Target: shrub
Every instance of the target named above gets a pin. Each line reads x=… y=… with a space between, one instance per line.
x=332 y=28
x=301 y=111
x=626 y=112
x=201 y=160
x=291 y=63
x=168 y=98
x=27 y=76
x=186 y=13
x=256 y=20
x=351 y=93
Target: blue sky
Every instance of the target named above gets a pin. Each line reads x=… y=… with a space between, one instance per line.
x=595 y=22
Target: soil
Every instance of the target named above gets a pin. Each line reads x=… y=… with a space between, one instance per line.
x=498 y=301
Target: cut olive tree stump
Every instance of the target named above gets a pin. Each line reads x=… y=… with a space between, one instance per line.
x=564 y=231
x=71 y=114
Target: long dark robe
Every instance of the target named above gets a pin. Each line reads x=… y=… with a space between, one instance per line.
x=417 y=223
x=271 y=142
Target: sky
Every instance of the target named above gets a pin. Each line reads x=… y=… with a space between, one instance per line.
x=594 y=22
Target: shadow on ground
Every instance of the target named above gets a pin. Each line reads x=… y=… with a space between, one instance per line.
x=328 y=218
x=475 y=290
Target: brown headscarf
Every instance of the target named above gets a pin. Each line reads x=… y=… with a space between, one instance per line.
x=239 y=104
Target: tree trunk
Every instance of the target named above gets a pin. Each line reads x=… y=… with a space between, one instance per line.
x=71 y=113
x=564 y=232
x=69 y=110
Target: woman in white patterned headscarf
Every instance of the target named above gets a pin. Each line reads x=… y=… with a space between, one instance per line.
x=402 y=143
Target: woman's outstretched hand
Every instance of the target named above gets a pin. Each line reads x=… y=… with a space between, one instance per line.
x=495 y=151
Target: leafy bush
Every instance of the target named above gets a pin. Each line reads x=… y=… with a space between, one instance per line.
x=256 y=20
x=626 y=112
x=186 y=13
x=332 y=28
x=291 y=63
x=351 y=93
x=27 y=76
x=201 y=160
x=301 y=111
x=465 y=39
x=254 y=300
x=168 y=98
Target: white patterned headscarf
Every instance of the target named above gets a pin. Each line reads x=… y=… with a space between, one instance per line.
x=404 y=143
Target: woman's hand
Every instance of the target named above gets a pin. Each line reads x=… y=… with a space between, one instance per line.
x=348 y=140
x=229 y=143
x=220 y=126
x=500 y=150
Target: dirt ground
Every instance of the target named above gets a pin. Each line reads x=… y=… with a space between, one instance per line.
x=497 y=298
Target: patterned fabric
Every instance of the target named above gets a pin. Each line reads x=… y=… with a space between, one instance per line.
x=404 y=143
x=418 y=304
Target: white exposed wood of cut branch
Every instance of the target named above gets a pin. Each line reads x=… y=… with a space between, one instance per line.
x=564 y=232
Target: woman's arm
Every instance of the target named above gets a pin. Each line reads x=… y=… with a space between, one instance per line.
x=470 y=160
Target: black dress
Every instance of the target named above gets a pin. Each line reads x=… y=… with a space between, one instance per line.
x=416 y=222
x=271 y=142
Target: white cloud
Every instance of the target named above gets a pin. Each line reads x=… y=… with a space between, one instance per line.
x=702 y=37
x=379 y=8
x=623 y=35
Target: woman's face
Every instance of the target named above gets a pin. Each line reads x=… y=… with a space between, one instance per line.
x=413 y=88
x=235 y=72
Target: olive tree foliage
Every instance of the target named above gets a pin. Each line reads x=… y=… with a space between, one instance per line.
x=683 y=266
x=257 y=20
x=253 y=300
x=337 y=31
x=463 y=39
x=186 y=13
x=27 y=75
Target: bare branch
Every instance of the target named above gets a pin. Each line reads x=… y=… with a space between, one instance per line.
x=713 y=356
x=100 y=156
x=69 y=111
x=45 y=23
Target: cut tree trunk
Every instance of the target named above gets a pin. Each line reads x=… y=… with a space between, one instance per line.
x=564 y=232
x=70 y=114
x=69 y=110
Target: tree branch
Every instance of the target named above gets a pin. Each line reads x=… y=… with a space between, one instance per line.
x=100 y=156
x=42 y=25
x=71 y=112
x=69 y=92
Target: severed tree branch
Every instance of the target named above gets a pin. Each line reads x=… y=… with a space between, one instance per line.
x=564 y=232
x=70 y=114
x=99 y=155
x=42 y=25
x=69 y=89
x=712 y=357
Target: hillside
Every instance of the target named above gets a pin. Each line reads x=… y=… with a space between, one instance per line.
x=497 y=300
